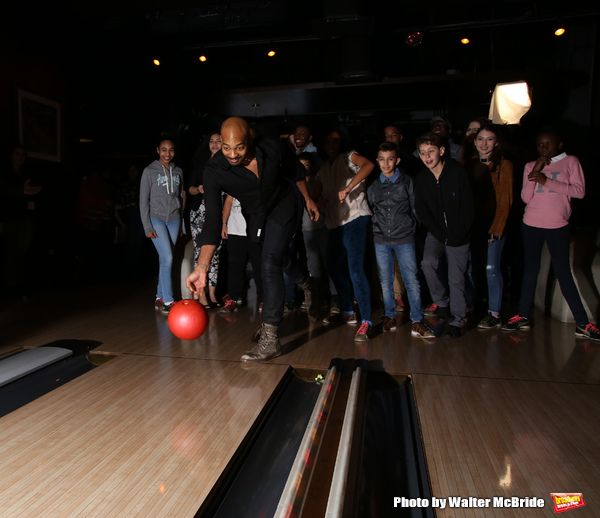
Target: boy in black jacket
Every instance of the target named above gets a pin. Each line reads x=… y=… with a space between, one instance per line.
x=391 y=198
x=444 y=205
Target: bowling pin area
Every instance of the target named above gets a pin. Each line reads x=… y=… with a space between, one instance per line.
x=155 y=423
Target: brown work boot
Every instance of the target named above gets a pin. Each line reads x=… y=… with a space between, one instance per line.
x=311 y=297
x=268 y=345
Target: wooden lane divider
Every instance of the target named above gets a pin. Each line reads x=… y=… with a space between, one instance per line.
x=342 y=463
x=294 y=492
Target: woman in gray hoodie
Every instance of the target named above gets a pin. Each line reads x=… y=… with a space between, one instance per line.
x=161 y=199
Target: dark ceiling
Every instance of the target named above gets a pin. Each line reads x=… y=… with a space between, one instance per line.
x=333 y=56
x=344 y=41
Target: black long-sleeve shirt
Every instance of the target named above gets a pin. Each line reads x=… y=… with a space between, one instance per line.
x=268 y=196
x=445 y=206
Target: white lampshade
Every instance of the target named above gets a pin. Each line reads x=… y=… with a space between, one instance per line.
x=510 y=101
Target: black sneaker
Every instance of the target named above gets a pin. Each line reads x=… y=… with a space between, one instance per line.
x=517 y=322
x=590 y=331
x=442 y=314
x=452 y=332
x=288 y=306
x=167 y=307
x=341 y=318
x=489 y=322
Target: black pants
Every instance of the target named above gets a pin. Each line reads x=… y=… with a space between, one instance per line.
x=277 y=257
x=239 y=250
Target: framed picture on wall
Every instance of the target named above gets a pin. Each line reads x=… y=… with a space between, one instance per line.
x=39 y=125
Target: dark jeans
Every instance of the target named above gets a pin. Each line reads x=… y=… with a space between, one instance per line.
x=315 y=242
x=557 y=240
x=277 y=257
x=346 y=265
x=239 y=250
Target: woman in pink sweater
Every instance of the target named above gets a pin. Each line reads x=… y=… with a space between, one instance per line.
x=548 y=186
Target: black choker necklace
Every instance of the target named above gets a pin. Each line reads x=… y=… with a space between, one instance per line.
x=484 y=160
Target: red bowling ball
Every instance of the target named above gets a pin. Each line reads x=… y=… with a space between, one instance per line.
x=188 y=319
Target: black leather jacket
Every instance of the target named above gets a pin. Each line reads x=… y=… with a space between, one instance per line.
x=393 y=206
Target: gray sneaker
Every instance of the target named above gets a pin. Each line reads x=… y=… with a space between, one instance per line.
x=268 y=345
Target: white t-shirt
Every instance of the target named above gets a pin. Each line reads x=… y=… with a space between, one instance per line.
x=236 y=224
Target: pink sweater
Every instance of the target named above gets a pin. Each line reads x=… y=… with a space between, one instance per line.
x=549 y=206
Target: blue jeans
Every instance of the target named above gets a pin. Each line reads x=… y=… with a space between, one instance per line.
x=484 y=273
x=346 y=246
x=167 y=236
x=407 y=260
x=557 y=240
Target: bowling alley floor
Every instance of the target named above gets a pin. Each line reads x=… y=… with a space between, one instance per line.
x=148 y=432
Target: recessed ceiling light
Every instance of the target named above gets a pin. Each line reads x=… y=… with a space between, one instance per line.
x=202 y=58
x=560 y=31
x=271 y=53
x=465 y=41
x=156 y=62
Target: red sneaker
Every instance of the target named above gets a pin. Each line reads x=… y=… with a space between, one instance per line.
x=229 y=307
x=400 y=306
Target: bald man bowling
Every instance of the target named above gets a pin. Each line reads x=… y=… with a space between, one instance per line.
x=252 y=172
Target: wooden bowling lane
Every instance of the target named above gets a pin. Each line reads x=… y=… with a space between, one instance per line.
x=137 y=436
x=491 y=437
x=548 y=352
x=121 y=319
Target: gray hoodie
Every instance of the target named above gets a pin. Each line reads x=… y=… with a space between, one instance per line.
x=161 y=191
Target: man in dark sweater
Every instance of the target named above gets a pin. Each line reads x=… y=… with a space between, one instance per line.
x=444 y=205
x=252 y=172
